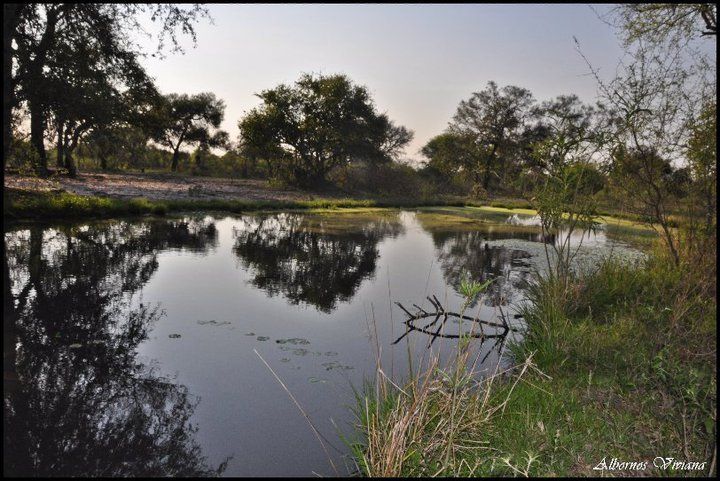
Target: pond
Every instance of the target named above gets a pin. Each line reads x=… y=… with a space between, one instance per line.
x=138 y=347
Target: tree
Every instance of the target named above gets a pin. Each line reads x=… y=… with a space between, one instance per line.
x=661 y=22
x=647 y=180
x=319 y=123
x=86 y=92
x=452 y=154
x=494 y=119
x=189 y=119
x=207 y=141
x=661 y=96
x=564 y=158
x=39 y=30
x=702 y=157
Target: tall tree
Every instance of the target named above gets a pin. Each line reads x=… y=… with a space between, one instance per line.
x=319 y=123
x=86 y=91
x=494 y=118
x=189 y=119
x=39 y=29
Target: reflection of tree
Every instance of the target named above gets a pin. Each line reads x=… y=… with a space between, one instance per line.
x=461 y=253
x=76 y=401
x=311 y=259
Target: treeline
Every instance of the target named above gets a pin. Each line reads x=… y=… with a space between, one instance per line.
x=74 y=74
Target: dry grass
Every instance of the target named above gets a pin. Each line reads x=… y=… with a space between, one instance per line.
x=434 y=424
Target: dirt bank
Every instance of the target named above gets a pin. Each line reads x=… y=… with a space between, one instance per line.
x=158 y=187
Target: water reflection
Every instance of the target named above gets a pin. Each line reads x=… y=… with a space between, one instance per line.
x=76 y=399
x=310 y=259
x=468 y=254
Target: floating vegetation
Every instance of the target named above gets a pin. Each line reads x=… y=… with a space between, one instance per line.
x=300 y=351
x=174 y=336
x=314 y=379
x=333 y=365
x=214 y=323
x=249 y=333
x=262 y=338
x=294 y=341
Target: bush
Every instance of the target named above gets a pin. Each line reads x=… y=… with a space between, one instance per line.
x=386 y=180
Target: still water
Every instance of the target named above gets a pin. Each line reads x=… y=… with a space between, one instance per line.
x=130 y=347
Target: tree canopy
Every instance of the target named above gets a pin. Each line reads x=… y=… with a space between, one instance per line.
x=319 y=123
x=188 y=119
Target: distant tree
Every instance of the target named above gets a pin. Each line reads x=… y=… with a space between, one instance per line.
x=494 y=119
x=569 y=132
x=319 y=123
x=206 y=141
x=188 y=119
x=453 y=154
x=122 y=143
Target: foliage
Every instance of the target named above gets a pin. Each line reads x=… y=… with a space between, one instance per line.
x=79 y=44
x=493 y=119
x=189 y=119
x=319 y=123
x=564 y=197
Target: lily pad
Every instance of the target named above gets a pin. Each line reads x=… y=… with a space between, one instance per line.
x=294 y=341
x=213 y=322
x=333 y=365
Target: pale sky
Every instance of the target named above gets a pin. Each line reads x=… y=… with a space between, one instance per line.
x=418 y=61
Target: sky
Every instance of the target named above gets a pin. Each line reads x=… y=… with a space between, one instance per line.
x=417 y=61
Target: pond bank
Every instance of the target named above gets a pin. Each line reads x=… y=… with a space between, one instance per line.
x=30 y=204
x=617 y=369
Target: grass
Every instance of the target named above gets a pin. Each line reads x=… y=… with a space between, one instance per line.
x=25 y=205
x=621 y=364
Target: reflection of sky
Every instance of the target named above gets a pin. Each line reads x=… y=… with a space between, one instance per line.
x=217 y=318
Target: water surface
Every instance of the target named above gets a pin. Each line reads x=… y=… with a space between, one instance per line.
x=129 y=345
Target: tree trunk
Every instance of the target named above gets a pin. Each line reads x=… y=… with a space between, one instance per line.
x=69 y=160
x=37 y=136
x=60 y=144
x=488 y=167
x=175 y=159
x=176 y=151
